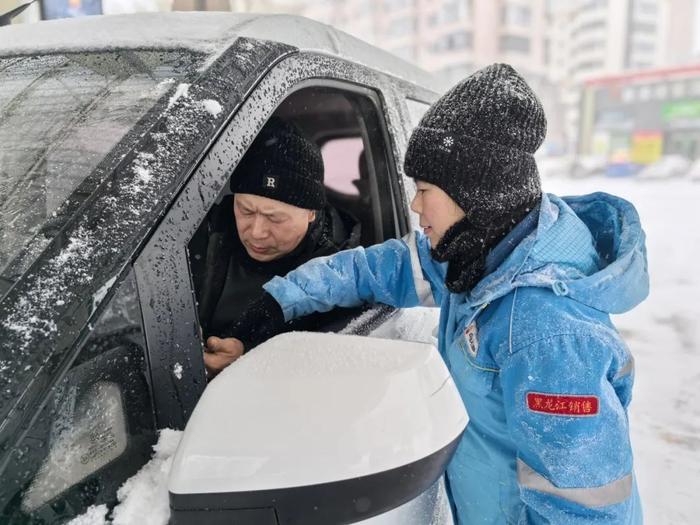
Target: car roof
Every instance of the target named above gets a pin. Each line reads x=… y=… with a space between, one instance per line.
x=208 y=32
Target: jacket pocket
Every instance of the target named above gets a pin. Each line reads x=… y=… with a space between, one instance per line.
x=471 y=374
x=481 y=493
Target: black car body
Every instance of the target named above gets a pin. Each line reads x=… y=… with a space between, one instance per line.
x=118 y=135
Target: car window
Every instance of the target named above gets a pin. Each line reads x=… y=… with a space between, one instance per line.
x=345 y=127
x=60 y=116
x=164 y=267
x=348 y=127
x=94 y=431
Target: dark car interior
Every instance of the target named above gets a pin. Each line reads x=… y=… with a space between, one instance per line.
x=331 y=119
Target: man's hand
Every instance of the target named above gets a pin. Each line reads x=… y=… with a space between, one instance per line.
x=220 y=353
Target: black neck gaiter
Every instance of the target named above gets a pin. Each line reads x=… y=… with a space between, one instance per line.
x=466 y=245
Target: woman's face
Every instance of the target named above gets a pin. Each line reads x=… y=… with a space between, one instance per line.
x=437 y=211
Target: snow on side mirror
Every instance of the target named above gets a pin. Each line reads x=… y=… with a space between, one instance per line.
x=313 y=428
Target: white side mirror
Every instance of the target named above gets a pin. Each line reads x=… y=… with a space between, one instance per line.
x=316 y=428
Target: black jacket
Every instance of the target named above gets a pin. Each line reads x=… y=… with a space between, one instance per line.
x=227 y=280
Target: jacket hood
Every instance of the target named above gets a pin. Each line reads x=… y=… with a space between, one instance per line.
x=590 y=248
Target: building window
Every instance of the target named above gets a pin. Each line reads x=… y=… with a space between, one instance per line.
x=695 y=88
x=518 y=44
x=628 y=94
x=678 y=90
x=587 y=66
x=643 y=47
x=401 y=27
x=588 y=45
x=453 y=41
x=516 y=15
x=451 y=11
x=456 y=9
x=460 y=40
x=593 y=4
x=392 y=5
x=643 y=27
x=589 y=27
x=661 y=91
x=646 y=8
x=644 y=93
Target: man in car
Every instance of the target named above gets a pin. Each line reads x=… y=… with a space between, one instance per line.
x=276 y=219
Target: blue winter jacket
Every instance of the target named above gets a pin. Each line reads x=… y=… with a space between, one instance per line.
x=544 y=375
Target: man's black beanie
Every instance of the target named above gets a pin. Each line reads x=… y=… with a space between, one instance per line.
x=284 y=165
x=476 y=143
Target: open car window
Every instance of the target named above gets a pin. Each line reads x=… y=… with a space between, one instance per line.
x=346 y=126
x=165 y=271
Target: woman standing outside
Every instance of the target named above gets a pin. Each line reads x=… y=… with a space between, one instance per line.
x=525 y=282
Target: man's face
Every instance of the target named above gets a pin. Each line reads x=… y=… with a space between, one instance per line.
x=269 y=229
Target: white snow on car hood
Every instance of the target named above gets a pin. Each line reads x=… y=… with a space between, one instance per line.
x=207 y=32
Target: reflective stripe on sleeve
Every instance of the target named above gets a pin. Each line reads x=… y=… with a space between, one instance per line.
x=613 y=493
x=423 y=290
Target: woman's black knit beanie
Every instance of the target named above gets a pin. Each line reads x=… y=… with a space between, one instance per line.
x=477 y=143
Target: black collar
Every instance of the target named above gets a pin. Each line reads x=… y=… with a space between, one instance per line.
x=466 y=246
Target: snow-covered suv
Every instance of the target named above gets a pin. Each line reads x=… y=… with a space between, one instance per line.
x=117 y=137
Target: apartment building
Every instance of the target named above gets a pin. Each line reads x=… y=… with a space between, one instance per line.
x=592 y=39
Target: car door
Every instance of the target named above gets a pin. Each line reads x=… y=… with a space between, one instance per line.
x=163 y=270
x=77 y=417
x=99 y=415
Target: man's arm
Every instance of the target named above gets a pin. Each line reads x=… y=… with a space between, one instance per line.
x=574 y=459
x=260 y=320
x=396 y=272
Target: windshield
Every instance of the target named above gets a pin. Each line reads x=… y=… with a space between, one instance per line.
x=60 y=116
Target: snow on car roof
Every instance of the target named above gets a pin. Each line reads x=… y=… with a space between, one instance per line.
x=208 y=32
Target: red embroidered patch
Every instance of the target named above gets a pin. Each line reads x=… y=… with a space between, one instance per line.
x=563 y=405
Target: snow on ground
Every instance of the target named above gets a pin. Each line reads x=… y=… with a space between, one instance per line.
x=662 y=333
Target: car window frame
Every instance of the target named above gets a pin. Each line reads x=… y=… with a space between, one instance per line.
x=168 y=304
